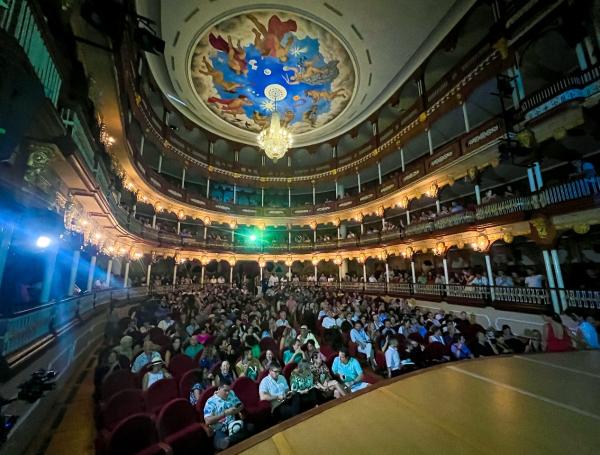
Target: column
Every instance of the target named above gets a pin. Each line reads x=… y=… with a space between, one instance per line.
x=126 y=274
x=160 y=160
x=551 y=283
x=387 y=273
x=109 y=272
x=344 y=267
x=133 y=210
x=490 y=276
x=91 y=270
x=148 y=272
x=478 y=194
x=343 y=231
x=5 y=241
x=336 y=190
x=49 y=267
x=339 y=272
x=407 y=217
x=315 y=236
x=430 y=141
x=142 y=142
x=362 y=228
x=208 y=188
x=537 y=172
x=289 y=197
x=234 y=193
x=314 y=191
x=382 y=223
x=261 y=273
x=154 y=221
x=466 y=117
x=232 y=235
x=289 y=238
x=183 y=178
x=365 y=273
x=316 y=275
x=174 y=274
x=202 y=275
x=438 y=209
x=230 y=274
x=413 y=271
x=205 y=232
x=358 y=180
x=73 y=274
x=402 y=159
x=262 y=197
x=446 y=274
x=580 y=52
x=178 y=227
x=379 y=171
x=559 y=278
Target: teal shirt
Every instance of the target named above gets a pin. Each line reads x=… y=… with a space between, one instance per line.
x=191 y=351
x=287 y=355
x=348 y=371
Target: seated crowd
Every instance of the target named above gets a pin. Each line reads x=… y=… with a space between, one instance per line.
x=243 y=363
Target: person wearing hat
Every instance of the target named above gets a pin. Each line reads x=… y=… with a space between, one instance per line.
x=306 y=334
x=156 y=373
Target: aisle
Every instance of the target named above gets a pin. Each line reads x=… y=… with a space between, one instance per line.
x=75 y=432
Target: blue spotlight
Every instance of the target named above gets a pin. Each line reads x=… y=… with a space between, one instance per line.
x=43 y=241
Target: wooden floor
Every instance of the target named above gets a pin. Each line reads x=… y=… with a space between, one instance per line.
x=534 y=404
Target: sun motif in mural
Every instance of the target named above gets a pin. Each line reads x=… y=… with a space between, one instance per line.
x=249 y=65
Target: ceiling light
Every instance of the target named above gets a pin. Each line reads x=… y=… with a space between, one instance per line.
x=275 y=140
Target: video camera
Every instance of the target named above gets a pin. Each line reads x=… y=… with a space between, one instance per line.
x=35 y=387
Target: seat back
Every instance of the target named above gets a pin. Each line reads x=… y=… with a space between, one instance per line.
x=206 y=394
x=435 y=351
x=160 y=393
x=267 y=343
x=155 y=333
x=380 y=360
x=132 y=435
x=287 y=370
x=188 y=380
x=122 y=405
x=175 y=416
x=261 y=376
x=180 y=364
x=246 y=390
x=117 y=381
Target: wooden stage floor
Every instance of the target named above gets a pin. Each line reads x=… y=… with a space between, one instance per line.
x=534 y=404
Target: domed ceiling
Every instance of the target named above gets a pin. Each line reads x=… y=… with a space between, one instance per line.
x=249 y=65
x=325 y=66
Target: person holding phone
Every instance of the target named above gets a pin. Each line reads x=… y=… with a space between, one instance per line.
x=349 y=371
x=274 y=389
x=303 y=384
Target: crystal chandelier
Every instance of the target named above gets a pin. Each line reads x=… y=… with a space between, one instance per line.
x=275 y=140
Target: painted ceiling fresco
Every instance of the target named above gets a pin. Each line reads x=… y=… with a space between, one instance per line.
x=247 y=66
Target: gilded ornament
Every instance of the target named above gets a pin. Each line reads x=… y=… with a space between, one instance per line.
x=582 y=228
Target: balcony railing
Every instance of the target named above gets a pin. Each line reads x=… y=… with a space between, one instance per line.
x=24 y=328
x=19 y=20
x=506 y=297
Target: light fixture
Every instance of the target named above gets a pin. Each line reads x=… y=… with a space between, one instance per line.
x=252 y=238
x=43 y=241
x=275 y=140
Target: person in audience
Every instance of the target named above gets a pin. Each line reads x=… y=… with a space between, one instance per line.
x=221 y=412
x=295 y=354
x=513 y=342
x=503 y=280
x=323 y=380
x=392 y=359
x=125 y=347
x=459 y=348
x=349 y=371
x=533 y=279
x=248 y=366
x=108 y=364
x=555 y=337
x=302 y=383
x=143 y=359
x=534 y=344
x=275 y=389
x=306 y=335
x=166 y=324
x=224 y=375
x=359 y=336
x=156 y=373
x=436 y=335
x=193 y=348
x=482 y=346
x=269 y=360
x=173 y=349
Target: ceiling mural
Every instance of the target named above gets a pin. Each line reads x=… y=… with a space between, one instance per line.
x=247 y=66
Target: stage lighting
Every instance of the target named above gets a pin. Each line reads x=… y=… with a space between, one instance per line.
x=253 y=238
x=43 y=241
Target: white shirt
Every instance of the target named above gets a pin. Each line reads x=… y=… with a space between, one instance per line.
x=533 y=281
x=328 y=322
x=392 y=358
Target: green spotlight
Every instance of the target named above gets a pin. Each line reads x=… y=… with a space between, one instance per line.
x=253 y=238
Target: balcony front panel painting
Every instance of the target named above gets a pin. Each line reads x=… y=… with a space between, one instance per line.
x=246 y=66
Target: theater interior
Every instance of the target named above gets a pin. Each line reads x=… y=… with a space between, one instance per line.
x=299 y=227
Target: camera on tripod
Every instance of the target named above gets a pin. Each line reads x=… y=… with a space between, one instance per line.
x=41 y=381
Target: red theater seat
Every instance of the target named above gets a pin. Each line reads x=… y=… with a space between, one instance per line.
x=206 y=394
x=188 y=380
x=287 y=370
x=134 y=435
x=121 y=405
x=160 y=393
x=181 y=364
x=257 y=411
x=178 y=426
x=117 y=381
